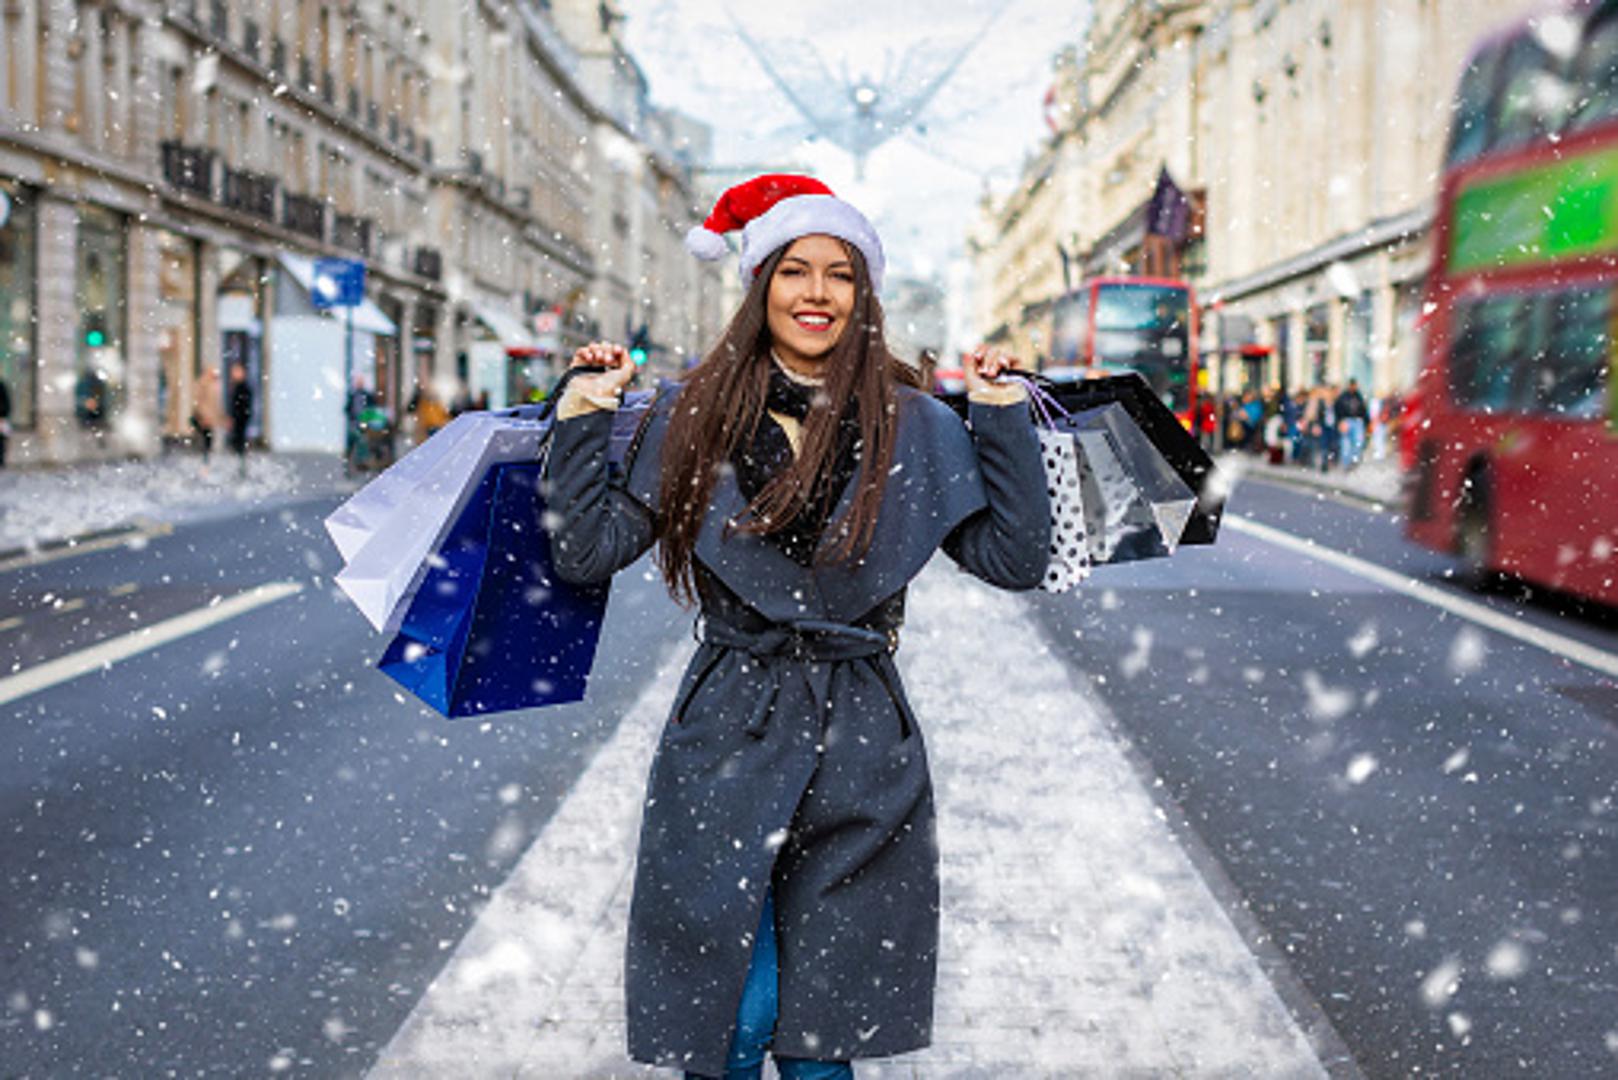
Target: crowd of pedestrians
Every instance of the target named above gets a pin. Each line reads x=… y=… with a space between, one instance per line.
x=1324 y=427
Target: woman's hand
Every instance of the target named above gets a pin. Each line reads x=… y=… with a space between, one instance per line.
x=609 y=383
x=984 y=364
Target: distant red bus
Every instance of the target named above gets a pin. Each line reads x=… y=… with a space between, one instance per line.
x=1516 y=440
x=1144 y=324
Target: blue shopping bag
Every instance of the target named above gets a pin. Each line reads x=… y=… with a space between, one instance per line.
x=492 y=629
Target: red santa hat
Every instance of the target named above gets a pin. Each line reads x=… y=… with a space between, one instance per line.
x=775 y=209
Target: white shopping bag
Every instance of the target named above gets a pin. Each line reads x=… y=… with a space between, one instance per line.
x=354 y=523
x=385 y=570
x=1071 y=557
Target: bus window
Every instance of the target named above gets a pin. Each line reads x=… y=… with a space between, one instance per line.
x=1596 y=75
x=1579 y=351
x=1469 y=127
x=1491 y=358
x=1535 y=95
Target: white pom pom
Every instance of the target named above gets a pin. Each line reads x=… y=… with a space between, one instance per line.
x=706 y=244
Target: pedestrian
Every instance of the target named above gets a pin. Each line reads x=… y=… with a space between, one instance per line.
x=786 y=885
x=5 y=419
x=431 y=415
x=207 y=410
x=1351 y=420
x=241 y=414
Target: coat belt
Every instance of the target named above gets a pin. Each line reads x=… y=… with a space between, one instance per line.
x=806 y=640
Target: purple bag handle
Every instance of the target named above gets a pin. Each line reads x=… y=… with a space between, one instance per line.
x=1046 y=407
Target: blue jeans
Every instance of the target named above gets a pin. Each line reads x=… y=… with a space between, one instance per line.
x=755 y=1019
x=1353 y=441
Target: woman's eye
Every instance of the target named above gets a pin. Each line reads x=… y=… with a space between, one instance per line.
x=844 y=276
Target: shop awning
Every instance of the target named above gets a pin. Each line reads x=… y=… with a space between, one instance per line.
x=367 y=317
x=506 y=327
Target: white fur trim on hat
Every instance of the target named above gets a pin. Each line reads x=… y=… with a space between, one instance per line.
x=807 y=215
x=706 y=244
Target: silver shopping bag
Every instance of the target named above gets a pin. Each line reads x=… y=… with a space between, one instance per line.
x=386 y=569
x=1136 y=506
x=366 y=513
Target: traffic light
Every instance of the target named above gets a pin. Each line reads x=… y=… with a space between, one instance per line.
x=95 y=329
x=638 y=349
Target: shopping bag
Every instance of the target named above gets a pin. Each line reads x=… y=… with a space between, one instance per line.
x=491 y=627
x=1135 y=505
x=352 y=525
x=1161 y=430
x=1071 y=559
x=1114 y=497
x=386 y=570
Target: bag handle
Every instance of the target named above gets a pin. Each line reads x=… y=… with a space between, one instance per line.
x=1045 y=405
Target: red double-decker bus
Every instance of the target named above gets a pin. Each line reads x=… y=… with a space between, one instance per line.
x=1516 y=453
x=1144 y=324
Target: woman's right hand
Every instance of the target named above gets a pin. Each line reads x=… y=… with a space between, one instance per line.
x=609 y=383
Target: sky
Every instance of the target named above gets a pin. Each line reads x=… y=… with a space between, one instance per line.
x=920 y=189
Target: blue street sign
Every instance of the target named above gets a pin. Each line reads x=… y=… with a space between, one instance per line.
x=338 y=283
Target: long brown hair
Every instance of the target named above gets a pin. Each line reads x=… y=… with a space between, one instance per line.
x=722 y=403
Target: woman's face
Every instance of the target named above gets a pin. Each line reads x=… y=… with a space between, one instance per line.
x=810 y=301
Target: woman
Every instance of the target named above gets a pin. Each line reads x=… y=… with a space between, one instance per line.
x=786 y=889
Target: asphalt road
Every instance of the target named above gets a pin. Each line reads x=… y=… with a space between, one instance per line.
x=243 y=852
x=1418 y=811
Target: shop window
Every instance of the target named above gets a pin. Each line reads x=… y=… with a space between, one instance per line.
x=102 y=306
x=175 y=320
x=18 y=314
x=1493 y=353
x=1573 y=380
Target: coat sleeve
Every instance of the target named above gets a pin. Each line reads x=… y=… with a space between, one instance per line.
x=1007 y=543
x=597 y=528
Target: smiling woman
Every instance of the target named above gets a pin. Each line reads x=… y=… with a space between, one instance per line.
x=786 y=887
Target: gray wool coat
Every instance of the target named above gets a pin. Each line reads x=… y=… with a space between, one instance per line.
x=791 y=758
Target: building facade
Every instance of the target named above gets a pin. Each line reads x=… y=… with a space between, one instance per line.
x=171 y=172
x=1308 y=137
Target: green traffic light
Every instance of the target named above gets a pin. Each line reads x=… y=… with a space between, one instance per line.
x=95 y=339
x=638 y=355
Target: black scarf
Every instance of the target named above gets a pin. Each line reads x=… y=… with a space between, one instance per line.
x=770 y=451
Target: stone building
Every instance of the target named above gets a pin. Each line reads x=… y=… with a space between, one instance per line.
x=1308 y=136
x=170 y=172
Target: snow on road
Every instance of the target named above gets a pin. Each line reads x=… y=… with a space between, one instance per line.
x=1078 y=937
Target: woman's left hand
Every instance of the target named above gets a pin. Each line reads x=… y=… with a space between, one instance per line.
x=984 y=364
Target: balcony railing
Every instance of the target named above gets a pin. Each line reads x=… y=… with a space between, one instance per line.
x=188 y=168
x=429 y=263
x=351 y=232
x=304 y=215
x=251 y=193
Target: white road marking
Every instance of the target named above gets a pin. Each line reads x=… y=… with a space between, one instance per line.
x=1549 y=640
x=107 y=653
x=134 y=538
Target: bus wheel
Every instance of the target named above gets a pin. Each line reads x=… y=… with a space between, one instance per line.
x=1473 y=532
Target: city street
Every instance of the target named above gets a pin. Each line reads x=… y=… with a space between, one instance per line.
x=243 y=850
